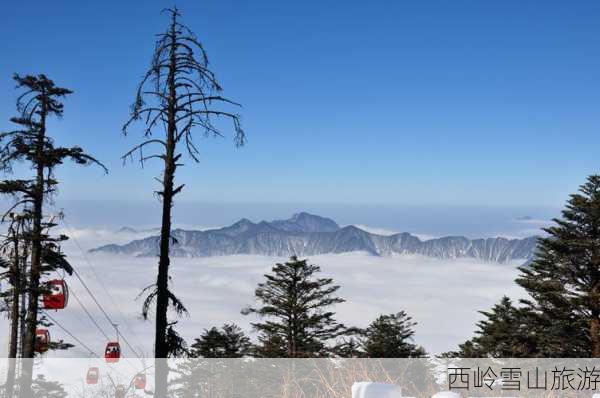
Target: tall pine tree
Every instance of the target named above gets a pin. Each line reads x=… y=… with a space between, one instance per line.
x=31 y=143
x=564 y=279
x=295 y=311
x=561 y=316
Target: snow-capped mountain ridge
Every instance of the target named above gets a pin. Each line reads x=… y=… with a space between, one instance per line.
x=305 y=222
x=307 y=235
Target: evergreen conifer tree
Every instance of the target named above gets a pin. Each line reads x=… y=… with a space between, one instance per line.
x=295 y=309
x=349 y=347
x=229 y=341
x=563 y=281
x=31 y=143
x=391 y=336
x=270 y=345
x=561 y=316
x=505 y=332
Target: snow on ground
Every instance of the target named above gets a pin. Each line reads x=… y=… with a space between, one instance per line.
x=443 y=296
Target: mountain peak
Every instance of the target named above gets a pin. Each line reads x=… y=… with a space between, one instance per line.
x=127 y=230
x=238 y=228
x=301 y=215
x=306 y=222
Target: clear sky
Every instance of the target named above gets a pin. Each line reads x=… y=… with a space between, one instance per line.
x=470 y=103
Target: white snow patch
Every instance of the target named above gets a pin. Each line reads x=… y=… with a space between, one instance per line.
x=367 y=389
x=375 y=230
x=388 y=232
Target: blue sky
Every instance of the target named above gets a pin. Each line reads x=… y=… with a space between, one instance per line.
x=454 y=103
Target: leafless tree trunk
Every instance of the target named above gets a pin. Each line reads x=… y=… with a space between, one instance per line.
x=162 y=280
x=182 y=91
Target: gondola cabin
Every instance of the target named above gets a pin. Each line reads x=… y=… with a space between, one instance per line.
x=42 y=340
x=140 y=381
x=112 y=352
x=92 y=375
x=57 y=295
x=120 y=391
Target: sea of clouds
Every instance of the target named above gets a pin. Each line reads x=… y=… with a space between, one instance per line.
x=443 y=296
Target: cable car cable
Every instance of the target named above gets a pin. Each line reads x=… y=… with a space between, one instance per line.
x=100 y=306
x=94 y=321
x=102 y=310
x=90 y=315
x=86 y=311
x=80 y=342
x=71 y=334
x=106 y=291
x=84 y=345
x=93 y=268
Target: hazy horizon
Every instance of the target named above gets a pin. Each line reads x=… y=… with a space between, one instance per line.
x=434 y=221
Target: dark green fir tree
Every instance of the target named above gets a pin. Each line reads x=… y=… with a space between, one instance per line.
x=561 y=316
x=563 y=281
x=295 y=311
x=505 y=332
x=391 y=336
x=270 y=345
x=229 y=341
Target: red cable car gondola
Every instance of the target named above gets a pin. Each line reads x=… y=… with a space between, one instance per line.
x=120 y=391
x=92 y=375
x=57 y=296
x=42 y=340
x=140 y=381
x=112 y=352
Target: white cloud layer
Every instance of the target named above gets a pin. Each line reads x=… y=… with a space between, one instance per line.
x=442 y=296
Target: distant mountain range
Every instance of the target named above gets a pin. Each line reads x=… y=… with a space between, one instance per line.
x=308 y=235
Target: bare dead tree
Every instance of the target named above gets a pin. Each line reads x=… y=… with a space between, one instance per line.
x=180 y=95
